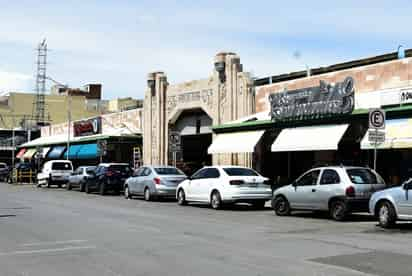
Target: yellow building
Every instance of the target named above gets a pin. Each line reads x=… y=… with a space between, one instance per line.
x=16 y=109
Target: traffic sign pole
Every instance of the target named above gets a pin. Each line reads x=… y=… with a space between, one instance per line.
x=377 y=118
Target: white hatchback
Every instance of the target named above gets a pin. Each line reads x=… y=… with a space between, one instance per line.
x=218 y=185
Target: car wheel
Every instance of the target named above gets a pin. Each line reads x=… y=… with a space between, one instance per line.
x=181 y=197
x=102 y=189
x=147 y=194
x=216 y=200
x=259 y=204
x=68 y=186
x=338 y=210
x=127 y=194
x=386 y=215
x=281 y=206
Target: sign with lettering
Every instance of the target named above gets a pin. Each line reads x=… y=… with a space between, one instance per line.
x=174 y=141
x=377 y=118
x=405 y=96
x=87 y=127
x=314 y=102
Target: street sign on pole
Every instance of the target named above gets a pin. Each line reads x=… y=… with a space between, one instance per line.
x=174 y=144
x=376 y=136
x=377 y=118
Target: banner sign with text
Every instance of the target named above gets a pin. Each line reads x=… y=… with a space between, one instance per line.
x=314 y=102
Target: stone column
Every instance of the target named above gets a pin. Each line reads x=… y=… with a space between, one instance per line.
x=154 y=122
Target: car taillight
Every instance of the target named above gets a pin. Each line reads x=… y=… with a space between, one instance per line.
x=350 y=191
x=156 y=181
x=109 y=173
x=236 y=182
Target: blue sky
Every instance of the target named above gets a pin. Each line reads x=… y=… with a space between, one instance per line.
x=117 y=43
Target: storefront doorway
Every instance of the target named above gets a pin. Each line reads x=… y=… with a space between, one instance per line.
x=194 y=128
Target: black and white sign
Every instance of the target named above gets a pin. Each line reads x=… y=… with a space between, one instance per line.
x=405 y=96
x=313 y=102
x=376 y=136
x=377 y=119
x=174 y=141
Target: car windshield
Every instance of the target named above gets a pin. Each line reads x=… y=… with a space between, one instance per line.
x=62 y=166
x=364 y=176
x=240 y=172
x=120 y=168
x=168 y=171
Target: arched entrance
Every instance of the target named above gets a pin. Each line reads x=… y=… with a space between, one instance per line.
x=194 y=128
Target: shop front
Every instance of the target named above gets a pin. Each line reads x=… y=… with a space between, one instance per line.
x=310 y=127
x=107 y=138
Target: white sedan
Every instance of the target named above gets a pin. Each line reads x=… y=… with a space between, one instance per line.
x=218 y=185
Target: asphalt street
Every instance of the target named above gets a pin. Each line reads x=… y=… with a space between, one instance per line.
x=51 y=232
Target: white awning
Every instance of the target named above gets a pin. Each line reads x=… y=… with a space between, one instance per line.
x=309 y=138
x=236 y=142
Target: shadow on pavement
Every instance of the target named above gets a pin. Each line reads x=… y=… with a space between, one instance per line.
x=364 y=217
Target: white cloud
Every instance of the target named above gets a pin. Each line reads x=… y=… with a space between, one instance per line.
x=11 y=81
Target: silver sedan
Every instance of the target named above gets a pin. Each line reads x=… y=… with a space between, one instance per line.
x=153 y=182
x=392 y=204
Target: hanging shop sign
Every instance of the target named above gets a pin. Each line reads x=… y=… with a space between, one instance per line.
x=87 y=127
x=314 y=102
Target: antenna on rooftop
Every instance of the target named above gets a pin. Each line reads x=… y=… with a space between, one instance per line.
x=39 y=106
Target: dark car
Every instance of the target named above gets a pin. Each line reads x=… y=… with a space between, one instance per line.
x=108 y=177
x=4 y=171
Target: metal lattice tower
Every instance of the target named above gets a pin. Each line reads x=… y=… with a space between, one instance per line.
x=39 y=108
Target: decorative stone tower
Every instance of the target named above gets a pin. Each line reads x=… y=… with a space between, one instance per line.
x=225 y=96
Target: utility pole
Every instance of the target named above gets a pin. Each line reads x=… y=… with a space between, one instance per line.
x=69 y=118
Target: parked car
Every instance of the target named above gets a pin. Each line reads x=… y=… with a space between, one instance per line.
x=108 y=177
x=78 y=178
x=55 y=172
x=339 y=190
x=4 y=171
x=218 y=185
x=154 y=182
x=392 y=204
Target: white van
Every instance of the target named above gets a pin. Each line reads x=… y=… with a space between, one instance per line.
x=55 y=172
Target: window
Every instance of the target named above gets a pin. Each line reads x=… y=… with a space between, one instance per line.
x=329 y=177
x=364 y=176
x=199 y=174
x=3 y=166
x=78 y=170
x=146 y=172
x=309 y=179
x=211 y=173
x=138 y=172
x=240 y=172
x=90 y=169
x=120 y=168
x=62 y=166
x=168 y=171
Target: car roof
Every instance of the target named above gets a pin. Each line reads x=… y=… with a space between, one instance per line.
x=111 y=164
x=225 y=167
x=340 y=167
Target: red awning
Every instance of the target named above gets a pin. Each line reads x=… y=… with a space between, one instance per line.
x=20 y=153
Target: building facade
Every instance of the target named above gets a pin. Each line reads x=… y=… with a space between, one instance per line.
x=189 y=110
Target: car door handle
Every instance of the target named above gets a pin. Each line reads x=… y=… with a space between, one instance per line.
x=313 y=190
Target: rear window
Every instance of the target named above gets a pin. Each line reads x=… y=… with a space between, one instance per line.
x=240 y=172
x=364 y=176
x=63 y=166
x=120 y=168
x=168 y=171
